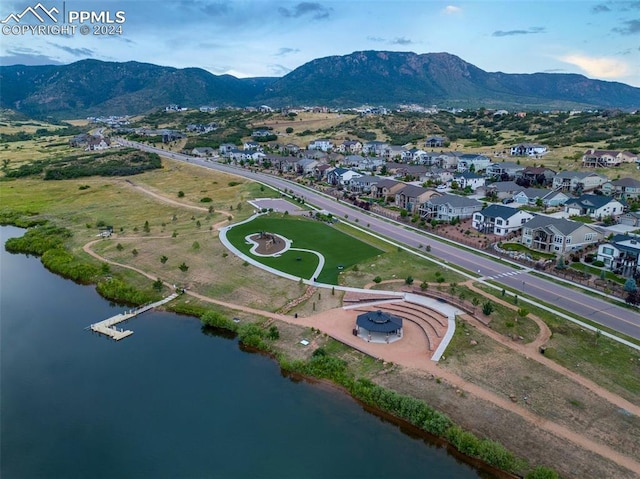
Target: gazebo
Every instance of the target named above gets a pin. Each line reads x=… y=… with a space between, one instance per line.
x=378 y=327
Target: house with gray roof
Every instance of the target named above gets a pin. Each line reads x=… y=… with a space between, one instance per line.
x=504 y=189
x=470 y=179
x=594 y=206
x=620 y=254
x=203 y=151
x=362 y=184
x=306 y=166
x=528 y=149
x=627 y=188
x=557 y=235
x=374 y=148
x=469 y=161
x=631 y=218
x=447 y=159
x=410 y=197
x=500 y=220
x=537 y=175
x=386 y=188
x=578 y=181
x=435 y=142
x=509 y=168
x=447 y=207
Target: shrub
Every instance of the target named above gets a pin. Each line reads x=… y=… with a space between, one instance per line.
x=487 y=308
x=377 y=279
x=598 y=263
x=206 y=199
x=542 y=472
x=180 y=194
x=215 y=319
x=409 y=280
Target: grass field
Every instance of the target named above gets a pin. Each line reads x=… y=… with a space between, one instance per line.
x=337 y=248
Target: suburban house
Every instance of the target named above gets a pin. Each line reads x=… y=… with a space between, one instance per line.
x=386 y=189
x=203 y=151
x=97 y=143
x=322 y=170
x=631 y=218
x=500 y=220
x=252 y=145
x=578 y=181
x=402 y=170
x=261 y=133
x=508 y=168
x=435 y=142
x=557 y=235
x=594 y=206
x=321 y=144
x=362 y=184
x=341 y=176
x=439 y=175
x=627 y=188
x=447 y=160
x=374 y=148
x=448 y=207
x=394 y=152
x=470 y=179
x=620 y=255
x=414 y=154
x=468 y=161
x=606 y=158
x=306 y=166
x=537 y=175
x=283 y=164
x=555 y=198
x=362 y=162
x=291 y=148
x=530 y=196
x=226 y=147
x=350 y=146
x=528 y=149
x=504 y=189
x=237 y=155
x=410 y=197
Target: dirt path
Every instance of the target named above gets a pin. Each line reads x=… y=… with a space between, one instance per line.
x=171 y=201
x=333 y=323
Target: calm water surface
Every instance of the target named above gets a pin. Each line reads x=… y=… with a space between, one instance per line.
x=169 y=401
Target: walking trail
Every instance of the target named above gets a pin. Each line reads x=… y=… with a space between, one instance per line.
x=338 y=323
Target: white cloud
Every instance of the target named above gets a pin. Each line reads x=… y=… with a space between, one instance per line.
x=599 y=67
x=451 y=9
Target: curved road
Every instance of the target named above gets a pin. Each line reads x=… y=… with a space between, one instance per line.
x=580 y=304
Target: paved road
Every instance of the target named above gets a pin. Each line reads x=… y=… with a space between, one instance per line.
x=580 y=304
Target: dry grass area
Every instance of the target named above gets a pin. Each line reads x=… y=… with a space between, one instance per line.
x=488 y=420
x=545 y=392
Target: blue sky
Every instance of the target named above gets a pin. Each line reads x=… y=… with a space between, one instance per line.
x=600 y=39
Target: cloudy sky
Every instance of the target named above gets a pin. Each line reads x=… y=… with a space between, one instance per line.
x=272 y=37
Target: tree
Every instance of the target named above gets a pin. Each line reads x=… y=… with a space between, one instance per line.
x=487 y=308
x=119 y=247
x=163 y=259
x=157 y=284
x=183 y=267
x=146 y=227
x=195 y=245
x=377 y=279
x=409 y=280
x=633 y=297
x=523 y=313
x=630 y=285
x=134 y=252
x=424 y=286
x=180 y=194
x=289 y=130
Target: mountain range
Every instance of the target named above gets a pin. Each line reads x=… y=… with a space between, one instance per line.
x=92 y=87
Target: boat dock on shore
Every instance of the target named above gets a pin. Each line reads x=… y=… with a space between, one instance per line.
x=108 y=326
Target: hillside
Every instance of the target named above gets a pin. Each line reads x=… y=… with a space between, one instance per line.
x=92 y=87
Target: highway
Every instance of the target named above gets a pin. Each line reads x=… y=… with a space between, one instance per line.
x=576 y=303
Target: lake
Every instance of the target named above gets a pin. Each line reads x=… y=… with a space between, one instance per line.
x=170 y=401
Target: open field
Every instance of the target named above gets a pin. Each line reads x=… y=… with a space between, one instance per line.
x=338 y=249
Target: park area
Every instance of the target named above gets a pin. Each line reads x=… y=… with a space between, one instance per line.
x=340 y=250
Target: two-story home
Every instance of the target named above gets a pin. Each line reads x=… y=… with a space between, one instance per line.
x=283 y=164
x=578 y=181
x=606 y=158
x=620 y=255
x=630 y=218
x=341 y=176
x=386 y=189
x=530 y=196
x=447 y=160
x=362 y=184
x=203 y=151
x=469 y=179
x=468 y=161
x=374 y=148
x=226 y=147
x=410 y=197
x=306 y=166
x=537 y=175
x=350 y=147
x=402 y=170
x=500 y=220
x=627 y=188
x=528 y=149
x=414 y=155
x=435 y=142
x=594 y=206
x=505 y=168
x=503 y=190
x=252 y=145
x=97 y=143
x=394 y=152
x=557 y=235
x=321 y=144
x=448 y=207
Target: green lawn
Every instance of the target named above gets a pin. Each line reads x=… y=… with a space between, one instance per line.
x=337 y=248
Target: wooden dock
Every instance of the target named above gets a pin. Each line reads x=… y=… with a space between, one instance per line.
x=108 y=326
